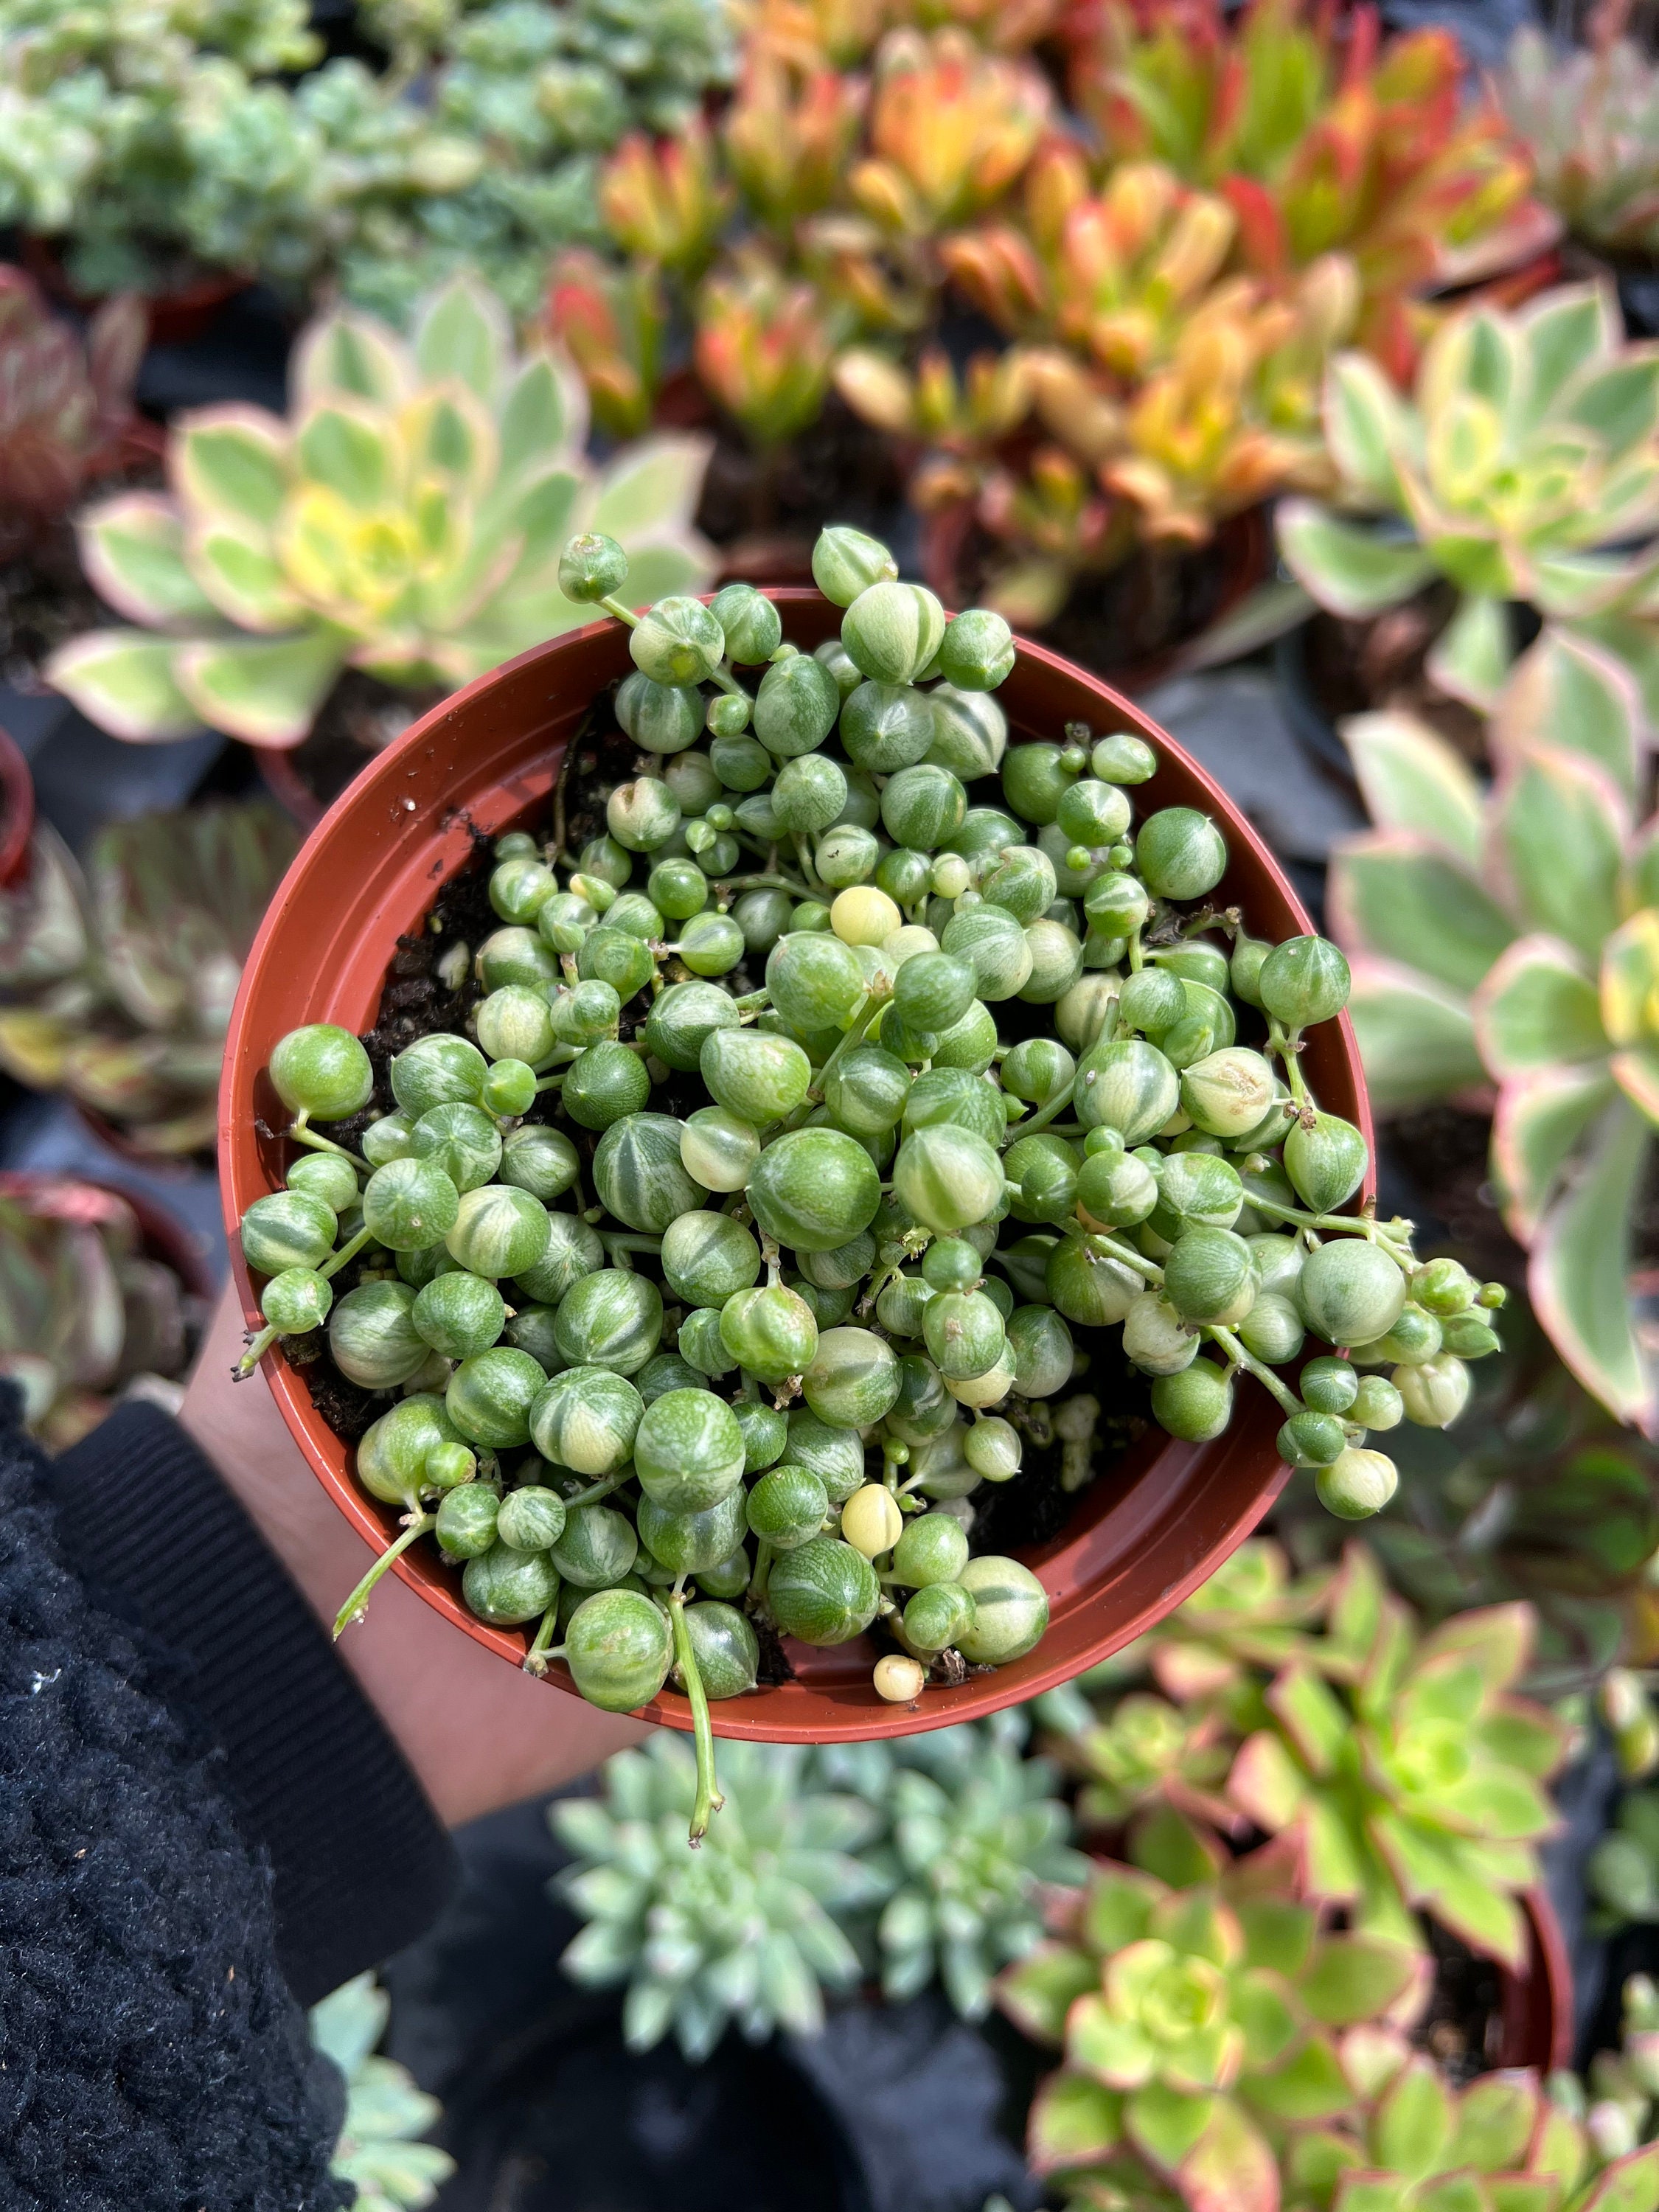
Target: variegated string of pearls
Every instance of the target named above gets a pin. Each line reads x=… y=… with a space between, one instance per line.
x=883 y=1215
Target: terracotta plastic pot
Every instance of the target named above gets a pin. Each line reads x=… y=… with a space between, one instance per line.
x=175 y=318
x=16 y=812
x=1145 y=1534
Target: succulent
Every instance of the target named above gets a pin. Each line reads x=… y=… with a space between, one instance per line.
x=379 y=2150
x=1590 y=122
x=867 y=1051
x=84 y=1310
x=745 y=1930
x=406 y=519
x=763 y=351
x=117 y=980
x=1196 y=2022
x=63 y=402
x=1524 y=467
x=1618 y=2113
x=1622 y=1871
x=1512 y=938
x=1322 y=139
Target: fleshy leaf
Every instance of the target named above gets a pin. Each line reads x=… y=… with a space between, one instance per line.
x=1540 y=1122
x=1410 y=778
x=1471 y=657
x=1038 y=1990
x=1416 y=1037
x=651 y=490
x=1073 y=2120
x=1629 y=2184
x=1230 y=2169
x=1266 y=1784
x=1349 y=569
x=1311 y=1716
x=1165 y=2124
x=231 y=463
x=1394 y=895
x=349 y=449
x=1413 y=2125
x=125 y=681
x=1630 y=979
x=266 y=692
x=462 y=332
x=1366 y=424
x=1578 y=1278
x=1558 y=828
x=1566 y=692
x=1310 y=2086
x=1495 y=2119
x=536 y=416
x=1537 y=1008
x=243 y=578
x=1352 y=1978
x=1636 y=1074
x=132 y=549
x=352 y=354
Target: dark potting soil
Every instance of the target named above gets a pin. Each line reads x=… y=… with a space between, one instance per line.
x=765 y=510
x=1462 y=2026
x=1351 y=666
x=45 y=600
x=360 y=718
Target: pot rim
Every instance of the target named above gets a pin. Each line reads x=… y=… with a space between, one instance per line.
x=16 y=811
x=1132 y=1533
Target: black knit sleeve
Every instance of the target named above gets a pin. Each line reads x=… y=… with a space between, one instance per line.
x=359 y=1861
x=153 y=2056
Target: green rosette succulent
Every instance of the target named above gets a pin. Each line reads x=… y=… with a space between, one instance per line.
x=1195 y=2023
x=1524 y=466
x=406 y=519
x=743 y=1931
x=380 y=2150
x=1512 y=938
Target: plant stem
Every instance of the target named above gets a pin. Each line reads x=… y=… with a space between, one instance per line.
x=1237 y=1356
x=708 y=1799
x=301 y=1135
x=535 y=1660
x=799 y=839
x=600 y=1489
x=1346 y=1224
x=614 y=1241
x=613 y=606
x=356 y=1604
x=1056 y=1105
x=348 y=1250
x=868 y=1007
x=761 y=883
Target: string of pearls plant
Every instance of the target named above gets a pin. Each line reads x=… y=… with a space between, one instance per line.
x=883 y=1221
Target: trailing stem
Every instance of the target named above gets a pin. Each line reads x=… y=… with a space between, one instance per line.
x=357 y=1604
x=708 y=1799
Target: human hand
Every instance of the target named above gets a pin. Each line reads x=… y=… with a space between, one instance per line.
x=477 y=1734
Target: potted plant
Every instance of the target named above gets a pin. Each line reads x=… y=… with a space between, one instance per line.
x=596 y=1300
x=100 y=1291
x=117 y=973
x=301 y=589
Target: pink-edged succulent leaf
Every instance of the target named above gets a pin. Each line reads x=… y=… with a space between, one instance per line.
x=1311 y=1715
x=1416 y=1037
x=1629 y=979
x=462 y=332
x=1165 y=2125
x=1412 y=780
x=1354 y=1613
x=1636 y=1074
x=1566 y=691
x=1310 y=2086
x=1073 y=2121
x=1411 y=2129
x=242 y=574
x=1116 y=2052
x=1117 y=1907
x=116 y=338
x=1398 y=897
x=133 y=548
x=1262 y=2008
x=353 y=354
x=1496 y=2117
x=1629 y=2184
x=1265 y=1783
x=1351 y=1979
x=125 y=681
x=1432 y=1872
x=266 y=692
x=1366 y=425
x=1539 y=1006
x=1278 y=1930
x=1349 y=569
x=231 y=464
x=1037 y=1992
x=1558 y=827
x=1472 y=657
x=1526 y=1735
x=1540 y=1122
x=1497 y=1639
x=1230 y=2167
x=1578 y=1279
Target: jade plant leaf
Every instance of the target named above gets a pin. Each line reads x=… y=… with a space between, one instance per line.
x=1411 y=780
x=1581 y=1259
x=1537 y=1008
x=124 y=680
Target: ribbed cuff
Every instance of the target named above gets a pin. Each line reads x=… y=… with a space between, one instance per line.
x=361 y=1863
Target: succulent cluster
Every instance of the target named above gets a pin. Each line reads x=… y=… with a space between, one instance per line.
x=1525 y=467
x=406 y=519
x=63 y=403
x=117 y=977
x=379 y=2148
x=1511 y=937
x=1591 y=121
x=1404 y=1767
x=1622 y=1872
x=935 y=1854
x=867 y=1134
x=84 y=1309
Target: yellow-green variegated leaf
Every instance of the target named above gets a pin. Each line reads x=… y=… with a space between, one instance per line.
x=450 y=601
x=1630 y=980
x=1394 y=895
x=462 y=331
x=1634 y=644
x=126 y=681
x=1636 y=1074
x=1470 y=660
x=1366 y=425
x=1556 y=844
x=132 y=549
x=238 y=569
x=1566 y=692
x=543 y=418
x=1566 y=332
x=1349 y=569
x=450 y=438
x=1479 y=355
x=1578 y=1279
x=231 y=464
x=1410 y=778
x=651 y=491
x=1538 y=1006
x=538 y=508
x=266 y=692
x=1541 y=1120
x=351 y=450
x=352 y=354
x=683 y=562
x=1617 y=400
x=1073 y=2121
x=1416 y=1037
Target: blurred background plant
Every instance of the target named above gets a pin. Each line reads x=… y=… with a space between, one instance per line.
x=65 y=405
x=379 y=2150
x=117 y=976
x=87 y=1307
x=1590 y=120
